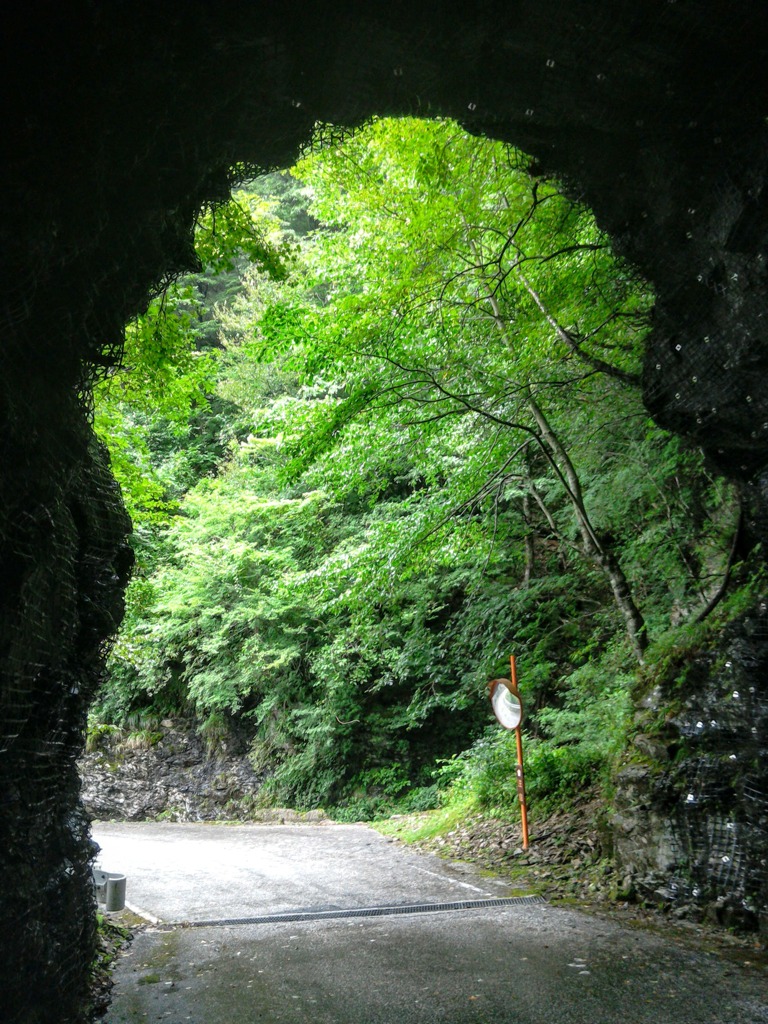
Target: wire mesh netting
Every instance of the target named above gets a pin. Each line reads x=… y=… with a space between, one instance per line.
x=721 y=809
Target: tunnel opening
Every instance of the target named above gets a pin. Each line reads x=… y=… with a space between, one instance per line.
x=338 y=425
x=316 y=781
x=125 y=122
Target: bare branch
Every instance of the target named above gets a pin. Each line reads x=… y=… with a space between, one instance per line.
x=570 y=340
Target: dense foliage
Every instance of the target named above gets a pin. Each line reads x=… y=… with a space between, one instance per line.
x=404 y=442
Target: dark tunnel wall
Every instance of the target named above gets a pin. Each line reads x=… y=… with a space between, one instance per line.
x=122 y=118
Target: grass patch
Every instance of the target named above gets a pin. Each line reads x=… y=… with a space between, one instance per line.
x=423 y=825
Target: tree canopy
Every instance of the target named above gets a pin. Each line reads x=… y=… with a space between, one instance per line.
x=396 y=441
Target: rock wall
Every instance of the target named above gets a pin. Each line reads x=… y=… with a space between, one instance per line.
x=122 y=118
x=70 y=569
x=691 y=812
x=168 y=773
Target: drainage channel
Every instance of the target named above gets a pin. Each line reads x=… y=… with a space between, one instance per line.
x=383 y=911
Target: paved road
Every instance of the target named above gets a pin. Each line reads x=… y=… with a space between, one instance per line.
x=192 y=873
x=499 y=963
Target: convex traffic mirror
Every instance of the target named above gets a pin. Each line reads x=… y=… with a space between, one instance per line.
x=506 y=703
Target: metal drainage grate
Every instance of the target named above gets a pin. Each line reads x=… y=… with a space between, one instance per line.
x=330 y=915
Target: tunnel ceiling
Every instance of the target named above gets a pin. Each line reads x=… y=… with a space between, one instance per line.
x=124 y=117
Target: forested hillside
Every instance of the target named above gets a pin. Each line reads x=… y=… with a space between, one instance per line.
x=391 y=433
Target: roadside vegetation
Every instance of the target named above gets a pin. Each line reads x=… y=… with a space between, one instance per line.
x=391 y=433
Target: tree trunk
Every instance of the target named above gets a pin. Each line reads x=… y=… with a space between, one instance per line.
x=593 y=546
x=530 y=551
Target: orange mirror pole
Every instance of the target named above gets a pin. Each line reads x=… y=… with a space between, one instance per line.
x=520 y=774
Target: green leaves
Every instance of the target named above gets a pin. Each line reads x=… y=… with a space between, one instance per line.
x=388 y=454
x=244 y=229
x=170 y=358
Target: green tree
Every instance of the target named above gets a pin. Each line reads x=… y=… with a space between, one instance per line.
x=471 y=289
x=431 y=450
x=168 y=368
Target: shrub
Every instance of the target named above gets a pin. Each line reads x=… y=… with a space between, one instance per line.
x=486 y=774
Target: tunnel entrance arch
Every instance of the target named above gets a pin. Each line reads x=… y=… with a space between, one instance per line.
x=124 y=120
